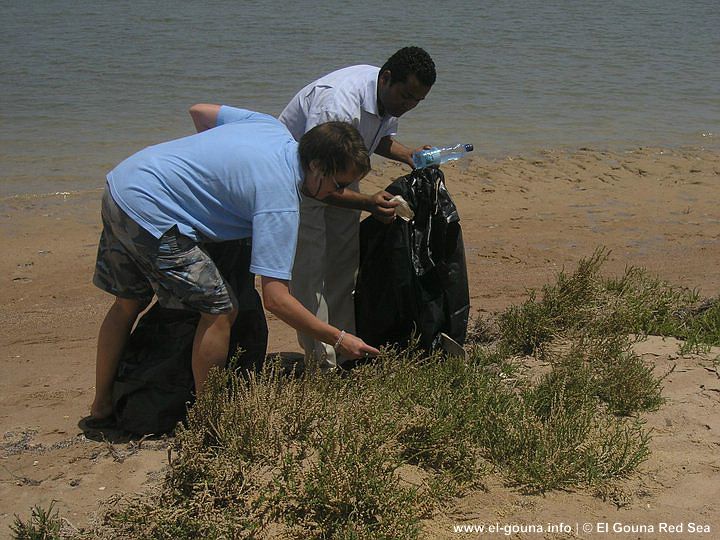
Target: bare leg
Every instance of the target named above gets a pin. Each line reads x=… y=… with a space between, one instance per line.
x=113 y=335
x=210 y=347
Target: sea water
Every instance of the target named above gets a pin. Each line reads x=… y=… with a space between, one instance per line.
x=83 y=84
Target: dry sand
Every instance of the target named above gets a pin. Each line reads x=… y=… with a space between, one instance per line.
x=523 y=218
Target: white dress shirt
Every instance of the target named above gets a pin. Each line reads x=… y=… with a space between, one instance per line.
x=347 y=95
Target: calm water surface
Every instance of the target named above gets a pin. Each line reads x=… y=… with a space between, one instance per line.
x=84 y=84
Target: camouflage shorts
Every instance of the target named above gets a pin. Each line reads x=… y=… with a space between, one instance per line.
x=131 y=263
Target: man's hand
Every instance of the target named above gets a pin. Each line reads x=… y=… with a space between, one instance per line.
x=418 y=149
x=354 y=347
x=381 y=207
x=279 y=301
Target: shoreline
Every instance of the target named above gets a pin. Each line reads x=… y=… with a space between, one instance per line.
x=380 y=164
x=524 y=219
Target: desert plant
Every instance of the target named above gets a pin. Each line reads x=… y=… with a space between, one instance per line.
x=42 y=525
x=585 y=303
x=557 y=433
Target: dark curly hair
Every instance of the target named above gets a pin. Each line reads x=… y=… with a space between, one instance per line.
x=411 y=60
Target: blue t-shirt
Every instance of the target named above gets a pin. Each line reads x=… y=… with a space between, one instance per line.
x=237 y=180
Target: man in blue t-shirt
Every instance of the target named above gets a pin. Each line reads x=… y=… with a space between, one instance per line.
x=240 y=180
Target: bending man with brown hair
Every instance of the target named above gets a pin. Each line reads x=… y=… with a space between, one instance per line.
x=241 y=180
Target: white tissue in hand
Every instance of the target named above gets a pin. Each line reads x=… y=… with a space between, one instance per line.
x=403 y=209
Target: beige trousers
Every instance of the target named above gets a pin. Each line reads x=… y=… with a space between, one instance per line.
x=323 y=277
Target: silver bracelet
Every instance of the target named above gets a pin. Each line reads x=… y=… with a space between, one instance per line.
x=339 y=341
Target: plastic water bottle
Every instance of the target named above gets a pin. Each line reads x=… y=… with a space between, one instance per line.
x=437 y=155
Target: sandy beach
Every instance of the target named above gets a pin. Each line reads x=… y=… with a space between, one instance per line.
x=523 y=219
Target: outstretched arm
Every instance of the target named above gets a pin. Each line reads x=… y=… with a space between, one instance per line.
x=279 y=301
x=204 y=116
x=392 y=149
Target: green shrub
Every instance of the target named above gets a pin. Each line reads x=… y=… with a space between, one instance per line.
x=586 y=304
x=42 y=525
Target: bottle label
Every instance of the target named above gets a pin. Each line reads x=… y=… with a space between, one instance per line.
x=431 y=157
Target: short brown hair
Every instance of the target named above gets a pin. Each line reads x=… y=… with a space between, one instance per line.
x=337 y=146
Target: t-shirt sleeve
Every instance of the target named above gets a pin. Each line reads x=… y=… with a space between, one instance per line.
x=274 y=239
x=228 y=115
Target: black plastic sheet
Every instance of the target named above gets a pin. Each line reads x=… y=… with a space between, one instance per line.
x=412 y=278
x=154 y=383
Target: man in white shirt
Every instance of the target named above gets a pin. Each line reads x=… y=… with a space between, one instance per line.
x=327 y=256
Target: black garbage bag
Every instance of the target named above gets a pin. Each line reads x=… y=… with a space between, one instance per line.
x=412 y=278
x=154 y=382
